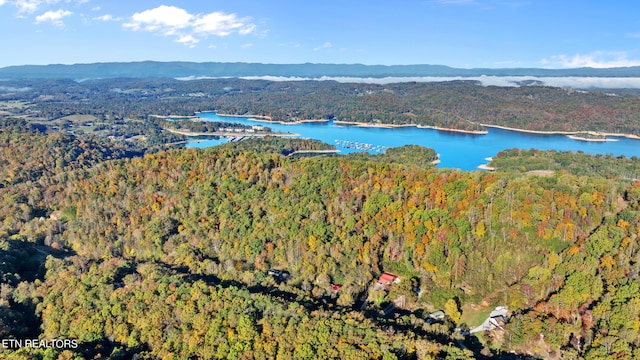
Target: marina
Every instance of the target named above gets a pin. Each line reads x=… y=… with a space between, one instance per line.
x=347 y=144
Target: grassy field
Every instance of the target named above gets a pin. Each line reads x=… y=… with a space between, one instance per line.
x=14 y=104
x=12 y=107
x=474 y=316
x=77 y=119
x=79 y=122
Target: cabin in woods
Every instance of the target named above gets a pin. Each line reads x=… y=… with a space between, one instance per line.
x=496 y=320
x=386 y=280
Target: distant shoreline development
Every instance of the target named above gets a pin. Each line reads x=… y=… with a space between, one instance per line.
x=233 y=134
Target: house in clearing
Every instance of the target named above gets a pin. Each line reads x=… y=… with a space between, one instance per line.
x=386 y=280
x=496 y=320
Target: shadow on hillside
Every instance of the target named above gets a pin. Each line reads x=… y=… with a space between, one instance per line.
x=103 y=349
x=22 y=261
x=390 y=322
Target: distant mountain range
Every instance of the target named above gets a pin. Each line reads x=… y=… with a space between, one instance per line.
x=175 y=69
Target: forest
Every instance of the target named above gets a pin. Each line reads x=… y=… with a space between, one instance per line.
x=126 y=109
x=172 y=253
x=579 y=163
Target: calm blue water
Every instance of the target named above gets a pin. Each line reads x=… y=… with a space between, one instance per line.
x=457 y=150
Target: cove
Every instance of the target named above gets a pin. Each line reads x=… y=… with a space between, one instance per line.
x=457 y=150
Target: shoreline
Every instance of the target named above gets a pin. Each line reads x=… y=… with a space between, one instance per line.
x=486 y=167
x=192 y=117
x=434 y=127
x=395 y=126
x=232 y=115
x=230 y=134
x=297 y=122
x=531 y=131
x=264 y=118
x=437 y=160
x=580 y=138
x=363 y=124
x=629 y=136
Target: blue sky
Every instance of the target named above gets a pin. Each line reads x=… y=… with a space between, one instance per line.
x=458 y=33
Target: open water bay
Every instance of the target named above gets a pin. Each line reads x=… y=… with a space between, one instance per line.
x=457 y=150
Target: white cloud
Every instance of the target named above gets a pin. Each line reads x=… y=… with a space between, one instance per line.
x=54 y=17
x=323 y=46
x=163 y=18
x=598 y=59
x=107 y=17
x=247 y=29
x=189 y=28
x=221 y=24
x=188 y=40
x=246 y=46
x=31 y=6
x=27 y=6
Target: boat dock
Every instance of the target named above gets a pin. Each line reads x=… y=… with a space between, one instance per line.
x=347 y=144
x=235 y=138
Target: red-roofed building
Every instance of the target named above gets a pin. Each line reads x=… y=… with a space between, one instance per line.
x=335 y=287
x=388 y=279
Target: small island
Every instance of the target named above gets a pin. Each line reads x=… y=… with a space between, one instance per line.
x=593 y=136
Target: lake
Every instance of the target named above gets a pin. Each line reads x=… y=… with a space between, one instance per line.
x=457 y=150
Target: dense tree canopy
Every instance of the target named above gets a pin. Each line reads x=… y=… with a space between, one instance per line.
x=168 y=254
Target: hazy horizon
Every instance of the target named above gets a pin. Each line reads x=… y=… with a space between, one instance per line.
x=319 y=63
x=576 y=82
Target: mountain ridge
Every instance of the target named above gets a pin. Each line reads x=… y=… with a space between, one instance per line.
x=174 y=69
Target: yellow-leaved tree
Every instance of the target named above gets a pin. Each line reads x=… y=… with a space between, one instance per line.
x=452 y=310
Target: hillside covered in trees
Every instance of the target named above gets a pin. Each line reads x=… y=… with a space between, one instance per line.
x=579 y=163
x=240 y=251
x=123 y=108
